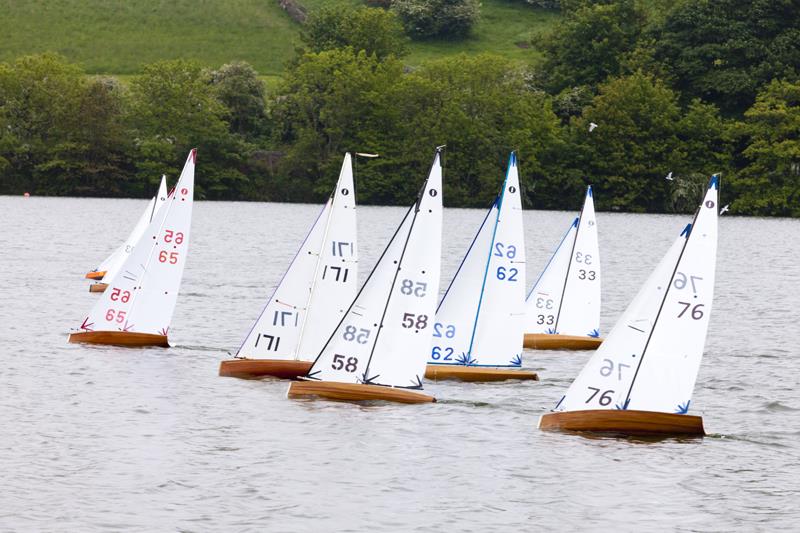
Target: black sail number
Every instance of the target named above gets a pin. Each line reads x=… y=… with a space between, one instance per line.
x=410 y=320
x=604 y=399
x=342 y=362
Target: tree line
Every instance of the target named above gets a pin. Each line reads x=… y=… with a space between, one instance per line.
x=624 y=93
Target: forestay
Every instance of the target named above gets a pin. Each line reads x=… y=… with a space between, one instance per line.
x=112 y=265
x=319 y=284
x=566 y=297
x=651 y=357
x=142 y=297
x=480 y=319
x=385 y=335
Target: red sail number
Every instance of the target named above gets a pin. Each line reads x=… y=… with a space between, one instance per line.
x=172 y=236
x=164 y=256
x=111 y=315
x=119 y=294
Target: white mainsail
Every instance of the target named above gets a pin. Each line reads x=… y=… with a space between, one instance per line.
x=650 y=359
x=141 y=298
x=318 y=286
x=480 y=319
x=566 y=298
x=115 y=261
x=385 y=335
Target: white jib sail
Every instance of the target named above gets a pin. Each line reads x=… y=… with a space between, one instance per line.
x=142 y=297
x=668 y=370
x=385 y=335
x=319 y=284
x=480 y=319
x=579 y=313
x=659 y=338
x=544 y=300
x=117 y=259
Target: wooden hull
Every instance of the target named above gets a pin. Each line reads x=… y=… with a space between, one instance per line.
x=119 y=338
x=476 y=373
x=259 y=368
x=98 y=287
x=95 y=274
x=621 y=422
x=543 y=341
x=355 y=392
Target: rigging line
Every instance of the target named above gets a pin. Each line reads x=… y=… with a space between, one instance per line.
x=328 y=222
x=155 y=203
x=499 y=203
x=574 y=223
x=463 y=260
x=417 y=206
x=663 y=301
x=278 y=286
x=569 y=266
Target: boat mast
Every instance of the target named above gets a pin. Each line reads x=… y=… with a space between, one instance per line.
x=569 y=267
x=400 y=261
x=296 y=348
x=499 y=203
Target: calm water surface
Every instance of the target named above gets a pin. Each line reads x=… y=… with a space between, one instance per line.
x=104 y=438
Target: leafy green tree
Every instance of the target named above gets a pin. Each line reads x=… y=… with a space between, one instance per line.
x=642 y=134
x=331 y=102
x=425 y=19
x=479 y=106
x=769 y=183
x=723 y=51
x=238 y=87
x=59 y=130
x=374 y=30
x=590 y=43
x=174 y=107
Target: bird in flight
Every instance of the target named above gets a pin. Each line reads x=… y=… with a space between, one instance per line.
x=669 y=177
x=724 y=209
x=592 y=126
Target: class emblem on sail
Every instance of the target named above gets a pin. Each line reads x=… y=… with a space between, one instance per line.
x=562 y=311
x=136 y=308
x=111 y=265
x=379 y=348
x=641 y=379
x=312 y=296
x=477 y=335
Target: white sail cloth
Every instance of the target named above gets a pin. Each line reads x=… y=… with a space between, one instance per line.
x=141 y=298
x=651 y=357
x=316 y=289
x=385 y=335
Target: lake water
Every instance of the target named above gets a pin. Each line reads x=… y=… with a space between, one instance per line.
x=105 y=438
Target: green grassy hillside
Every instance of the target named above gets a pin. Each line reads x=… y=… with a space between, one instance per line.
x=118 y=37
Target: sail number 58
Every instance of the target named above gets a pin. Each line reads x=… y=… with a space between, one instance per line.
x=339 y=363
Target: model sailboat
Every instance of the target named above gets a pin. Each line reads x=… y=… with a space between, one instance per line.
x=137 y=307
x=379 y=348
x=478 y=331
x=109 y=268
x=311 y=298
x=563 y=308
x=640 y=381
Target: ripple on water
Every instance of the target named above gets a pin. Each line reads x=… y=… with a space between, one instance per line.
x=100 y=438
